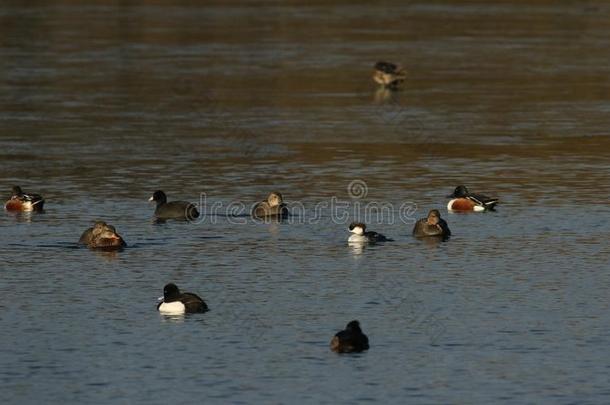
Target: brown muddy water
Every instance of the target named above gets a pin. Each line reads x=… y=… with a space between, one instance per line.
x=221 y=103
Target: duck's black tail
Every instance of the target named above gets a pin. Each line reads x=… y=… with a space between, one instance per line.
x=490 y=204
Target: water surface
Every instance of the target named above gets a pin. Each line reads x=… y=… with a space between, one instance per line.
x=100 y=105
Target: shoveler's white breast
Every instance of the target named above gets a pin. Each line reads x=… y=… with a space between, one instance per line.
x=27 y=206
x=172 y=308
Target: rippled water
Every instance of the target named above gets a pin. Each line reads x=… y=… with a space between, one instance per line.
x=220 y=104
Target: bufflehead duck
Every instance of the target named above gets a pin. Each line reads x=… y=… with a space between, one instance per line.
x=463 y=200
x=433 y=225
x=175 y=303
x=102 y=236
x=388 y=74
x=173 y=209
x=361 y=236
x=350 y=340
x=273 y=206
x=22 y=201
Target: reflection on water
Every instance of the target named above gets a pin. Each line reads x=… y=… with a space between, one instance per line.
x=102 y=104
x=357 y=248
x=23 y=216
x=107 y=254
x=174 y=318
x=385 y=95
x=434 y=241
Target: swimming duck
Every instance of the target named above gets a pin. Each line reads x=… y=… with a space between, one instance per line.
x=388 y=74
x=102 y=236
x=108 y=239
x=174 y=209
x=463 y=200
x=175 y=303
x=273 y=206
x=22 y=201
x=93 y=232
x=433 y=225
x=361 y=236
x=350 y=340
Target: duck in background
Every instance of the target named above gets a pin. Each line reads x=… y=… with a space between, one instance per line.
x=463 y=200
x=22 y=201
x=388 y=75
x=272 y=207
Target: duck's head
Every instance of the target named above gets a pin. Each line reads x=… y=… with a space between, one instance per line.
x=385 y=67
x=108 y=236
x=274 y=199
x=99 y=227
x=434 y=217
x=17 y=190
x=171 y=292
x=158 y=196
x=353 y=326
x=109 y=233
x=459 y=192
x=357 y=227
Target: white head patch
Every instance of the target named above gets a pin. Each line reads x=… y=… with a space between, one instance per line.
x=357 y=230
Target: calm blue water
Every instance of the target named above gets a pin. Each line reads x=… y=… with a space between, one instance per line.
x=219 y=105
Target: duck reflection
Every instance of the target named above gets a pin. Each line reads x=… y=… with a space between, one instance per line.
x=23 y=216
x=434 y=241
x=108 y=255
x=172 y=318
x=383 y=95
x=357 y=248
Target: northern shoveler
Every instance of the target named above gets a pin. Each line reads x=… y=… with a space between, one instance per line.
x=463 y=200
x=175 y=302
x=432 y=225
x=102 y=236
x=388 y=74
x=272 y=207
x=173 y=209
x=350 y=340
x=22 y=201
x=361 y=236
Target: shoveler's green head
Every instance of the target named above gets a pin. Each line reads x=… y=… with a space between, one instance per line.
x=459 y=192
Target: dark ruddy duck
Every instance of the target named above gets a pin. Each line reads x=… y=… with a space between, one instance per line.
x=350 y=340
